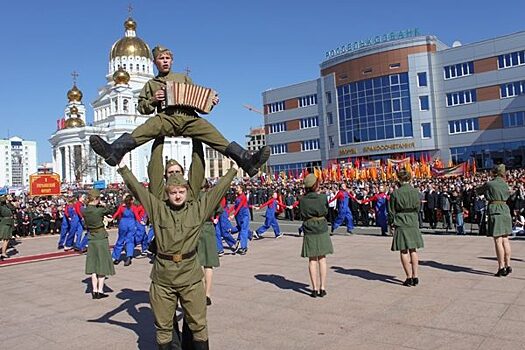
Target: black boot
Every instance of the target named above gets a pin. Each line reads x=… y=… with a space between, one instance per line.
x=113 y=153
x=166 y=346
x=247 y=161
x=201 y=345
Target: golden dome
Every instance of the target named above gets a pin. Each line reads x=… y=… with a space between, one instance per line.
x=130 y=45
x=74 y=122
x=74 y=94
x=73 y=110
x=121 y=76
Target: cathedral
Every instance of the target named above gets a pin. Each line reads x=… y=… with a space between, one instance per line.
x=114 y=113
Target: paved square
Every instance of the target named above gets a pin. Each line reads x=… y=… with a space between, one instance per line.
x=261 y=301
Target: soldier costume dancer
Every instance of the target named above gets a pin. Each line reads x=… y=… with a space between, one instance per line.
x=176 y=272
x=270 y=218
x=403 y=208
x=500 y=221
x=174 y=121
x=381 y=209
x=343 y=210
x=98 y=260
x=6 y=225
x=313 y=208
x=127 y=225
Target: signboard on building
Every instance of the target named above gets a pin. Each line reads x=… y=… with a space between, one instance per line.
x=378 y=39
x=99 y=185
x=44 y=184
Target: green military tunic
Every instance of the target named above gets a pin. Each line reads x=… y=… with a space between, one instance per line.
x=173 y=121
x=177 y=233
x=98 y=258
x=6 y=222
x=500 y=221
x=403 y=209
x=313 y=207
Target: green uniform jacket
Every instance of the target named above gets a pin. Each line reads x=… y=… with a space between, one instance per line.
x=147 y=103
x=500 y=220
x=313 y=208
x=6 y=222
x=98 y=258
x=403 y=208
x=177 y=230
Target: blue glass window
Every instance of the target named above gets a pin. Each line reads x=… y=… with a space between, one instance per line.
x=422 y=79
x=424 y=105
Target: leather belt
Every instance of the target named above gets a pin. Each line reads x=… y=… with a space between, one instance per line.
x=316 y=218
x=177 y=257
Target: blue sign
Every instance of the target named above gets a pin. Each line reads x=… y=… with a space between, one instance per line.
x=3 y=191
x=99 y=185
x=356 y=45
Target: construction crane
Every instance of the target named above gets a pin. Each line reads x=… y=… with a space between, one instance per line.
x=253 y=109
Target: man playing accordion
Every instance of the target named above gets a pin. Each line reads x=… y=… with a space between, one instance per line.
x=175 y=120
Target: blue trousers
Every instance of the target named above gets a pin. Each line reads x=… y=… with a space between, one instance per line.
x=243 y=226
x=342 y=216
x=221 y=234
x=270 y=221
x=64 y=229
x=141 y=237
x=382 y=222
x=74 y=222
x=126 y=237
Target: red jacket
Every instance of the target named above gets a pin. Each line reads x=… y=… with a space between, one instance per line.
x=121 y=209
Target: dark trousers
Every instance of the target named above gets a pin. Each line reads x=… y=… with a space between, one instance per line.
x=288 y=213
x=431 y=215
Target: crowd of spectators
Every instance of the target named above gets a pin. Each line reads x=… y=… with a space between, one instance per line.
x=442 y=200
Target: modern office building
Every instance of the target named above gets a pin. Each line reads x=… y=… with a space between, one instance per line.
x=404 y=93
x=256 y=139
x=17 y=162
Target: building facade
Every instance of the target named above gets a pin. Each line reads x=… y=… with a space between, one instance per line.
x=17 y=162
x=114 y=113
x=405 y=94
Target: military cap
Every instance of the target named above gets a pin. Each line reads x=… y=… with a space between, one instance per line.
x=499 y=170
x=157 y=50
x=310 y=180
x=403 y=175
x=94 y=193
x=176 y=180
x=172 y=162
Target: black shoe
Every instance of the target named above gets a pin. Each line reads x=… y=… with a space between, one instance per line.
x=322 y=293
x=408 y=282
x=501 y=272
x=127 y=262
x=221 y=253
x=242 y=251
x=94 y=295
x=116 y=262
x=113 y=153
x=250 y=163
x=314 y=294
x=508 y=270
x=208 y=301
x=102 y=295
x=415 y=281
x=60 y=247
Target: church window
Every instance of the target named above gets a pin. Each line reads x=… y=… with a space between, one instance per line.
x=125 y=105
x=116 y=105
x=138 y=67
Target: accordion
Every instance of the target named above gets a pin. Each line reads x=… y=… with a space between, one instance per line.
x=188 y=95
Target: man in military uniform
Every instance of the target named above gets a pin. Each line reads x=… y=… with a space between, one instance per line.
x=6 y=225
x=176 y=272
x=500 y=221
x=174 y=121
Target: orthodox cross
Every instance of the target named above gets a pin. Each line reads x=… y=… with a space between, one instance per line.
x=74 y=75
x=187 y=71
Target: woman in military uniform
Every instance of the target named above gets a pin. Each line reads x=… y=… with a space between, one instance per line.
x=98 y=261
x=6 y=225
x=313 y=208
x=403 y=209
x=500 y=221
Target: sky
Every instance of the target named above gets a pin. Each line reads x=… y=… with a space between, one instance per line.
x=239 y=48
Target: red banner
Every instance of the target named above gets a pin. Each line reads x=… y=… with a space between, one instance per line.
x=44 y=184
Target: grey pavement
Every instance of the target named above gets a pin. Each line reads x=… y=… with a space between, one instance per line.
x=261 y=301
